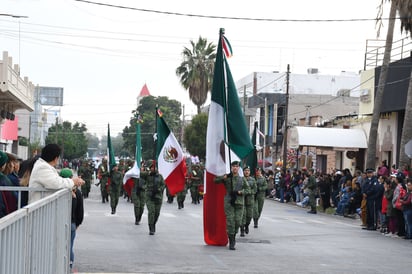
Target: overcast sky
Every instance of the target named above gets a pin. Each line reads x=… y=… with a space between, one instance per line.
x=102 y=56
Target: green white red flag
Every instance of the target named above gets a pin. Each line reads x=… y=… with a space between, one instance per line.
x=134 y=172
x=226 y=127
x=170 y=160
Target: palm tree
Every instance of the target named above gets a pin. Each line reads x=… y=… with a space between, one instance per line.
x=404 y=8
x=196 y=70
x=373 y=132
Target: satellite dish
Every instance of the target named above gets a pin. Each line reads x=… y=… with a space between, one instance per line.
x=408 y=149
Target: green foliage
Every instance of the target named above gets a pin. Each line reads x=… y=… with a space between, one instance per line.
x=147 y=109
x=196 y=70
x=92 y=144
x=71 y=138
x=195 y=136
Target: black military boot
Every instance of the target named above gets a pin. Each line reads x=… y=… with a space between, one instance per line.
x=232 y=242
x=242 y=231
x=179 y=203
x=255 y=223
x=113 y=210
x=151 y=229
x=247 y=228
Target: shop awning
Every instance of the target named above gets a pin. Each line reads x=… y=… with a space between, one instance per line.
x=337 y=138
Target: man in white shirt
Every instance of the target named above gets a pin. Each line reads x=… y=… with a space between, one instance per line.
x=45 y=175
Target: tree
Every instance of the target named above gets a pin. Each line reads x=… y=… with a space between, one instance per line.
x=404 y=7
x=92 y=144
x=171 y=109
x=373 y=132
x=71 y=138
x=196 y=70
x=195 y=136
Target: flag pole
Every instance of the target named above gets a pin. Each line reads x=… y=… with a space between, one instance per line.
x=221 y=33
x=155 y=139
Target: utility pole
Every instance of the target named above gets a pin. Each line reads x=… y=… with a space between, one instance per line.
x=285 y=133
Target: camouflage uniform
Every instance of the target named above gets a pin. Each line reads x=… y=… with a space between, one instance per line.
x=311 y=190
x=262 y=186
x=138 y=197
x=180 y=197
x=116 y=183
x=155 y=186
x=249 y=202
x=236 y=187
x=86 y=173
x=195 y=180
x=103 y=176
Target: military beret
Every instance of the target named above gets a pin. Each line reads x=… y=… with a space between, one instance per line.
x=246 y=167
x=3 y=158
x=66 y=173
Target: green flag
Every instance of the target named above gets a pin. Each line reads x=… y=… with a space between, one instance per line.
x=111 y=161
x=251 y=159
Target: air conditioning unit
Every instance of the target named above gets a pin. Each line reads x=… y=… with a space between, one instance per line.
x=313 y=71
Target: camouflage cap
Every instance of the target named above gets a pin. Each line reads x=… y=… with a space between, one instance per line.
x=235 y=163
x=149 y=163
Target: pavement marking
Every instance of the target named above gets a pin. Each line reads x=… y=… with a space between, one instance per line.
x=194 y=215
x=317 y=222
x=217 y=260
x=167 y=215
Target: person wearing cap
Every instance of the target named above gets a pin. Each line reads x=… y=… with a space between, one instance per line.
x=77 y=210
x=45 y=175
x=196 y=179
x=249 y=202
x=8 y=199
x=369 y=192
x=116 y=183
x=138 y=196
x=311 y=187
x=236 y=187
x=155 y=186
x=261 y=185
x=103 y=174
x=85 y=171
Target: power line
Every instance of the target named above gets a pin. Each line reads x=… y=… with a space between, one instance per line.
x=231 y=17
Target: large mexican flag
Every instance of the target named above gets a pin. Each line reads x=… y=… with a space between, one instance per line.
x=226 y=128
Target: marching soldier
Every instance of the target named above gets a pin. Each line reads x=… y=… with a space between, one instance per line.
x=138 y=197
x=249 y=202
x=262 y=186
x=155 y=186
x=86 y=173
x=116 y=184
x=195 y=180
x=236 y=187
x=103 y=176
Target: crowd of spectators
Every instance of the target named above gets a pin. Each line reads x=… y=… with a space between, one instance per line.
x=380 y=198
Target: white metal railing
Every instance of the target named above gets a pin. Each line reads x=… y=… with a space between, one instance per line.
x=36 y=238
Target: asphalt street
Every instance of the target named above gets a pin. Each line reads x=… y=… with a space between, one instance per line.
x=288 y=240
